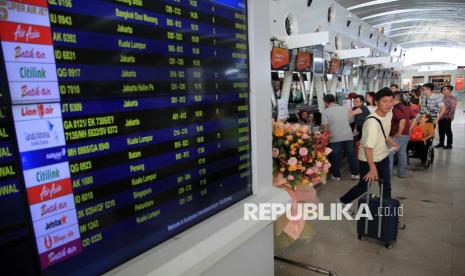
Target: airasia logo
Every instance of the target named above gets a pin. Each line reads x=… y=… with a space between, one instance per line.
x=41 y=110
x=26 y=34
x=49 y=192
x=49 y=241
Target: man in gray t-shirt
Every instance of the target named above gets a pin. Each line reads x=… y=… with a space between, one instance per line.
x=335 y=118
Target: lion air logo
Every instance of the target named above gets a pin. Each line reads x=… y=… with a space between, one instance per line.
x=48 y=242
x=40 y=110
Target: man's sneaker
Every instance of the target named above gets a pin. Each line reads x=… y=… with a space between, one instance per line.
x=438 y=146
x=398 y=175
x=355 y=177
x=448 y=147
x=335 y=178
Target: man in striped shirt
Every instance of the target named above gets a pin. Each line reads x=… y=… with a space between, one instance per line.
x=431 y=103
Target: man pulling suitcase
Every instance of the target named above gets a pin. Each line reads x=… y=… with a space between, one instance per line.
x=374 y=153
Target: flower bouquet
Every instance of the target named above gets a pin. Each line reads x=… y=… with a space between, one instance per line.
x=299 y=155
x=300 y=160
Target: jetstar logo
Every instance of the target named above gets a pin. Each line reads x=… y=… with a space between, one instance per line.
x=41 y=110
x=34 y=91
x=55 y=223
x=28 y=54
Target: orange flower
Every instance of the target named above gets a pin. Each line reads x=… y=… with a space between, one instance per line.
x=279 y=132
x=300 y=142
x=282 y=169
x=290 y=138
x=292 y=168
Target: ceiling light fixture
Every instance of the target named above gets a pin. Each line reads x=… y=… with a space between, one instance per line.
x=371 y=3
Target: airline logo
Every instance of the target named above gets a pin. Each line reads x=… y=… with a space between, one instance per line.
x=44 y=157
x=57 y=239
x=55 y=206
x=49 y=191
x=23 y=13
x=23 y=52
x=36 y=111
x=31 y=71
x=39 y=134
x=39 y=3
x=25 y=33
x=54 y=223
x=60 y=253
x=46 y=174
x=29 y=92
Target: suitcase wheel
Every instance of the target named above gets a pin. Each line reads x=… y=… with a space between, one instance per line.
x=388 y=245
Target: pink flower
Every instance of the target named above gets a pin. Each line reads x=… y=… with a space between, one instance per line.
x=326 y=166
x=319 y=164
x=305 y=129
x=275 y=152
x=303 y=151
x=316 y=180
x=290 y=177
x=309 y=171
x=292 y=161
x=328 y=151
x=305 y=136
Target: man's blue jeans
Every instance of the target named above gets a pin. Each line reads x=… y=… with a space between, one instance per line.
x=401 y=155
x=335 y=157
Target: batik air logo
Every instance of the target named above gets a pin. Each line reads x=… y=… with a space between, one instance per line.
x=26 y=34
x=48 y=209
x=35 y=91
x=29 y=53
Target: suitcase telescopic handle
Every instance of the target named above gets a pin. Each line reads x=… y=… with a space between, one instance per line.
x=381 y=190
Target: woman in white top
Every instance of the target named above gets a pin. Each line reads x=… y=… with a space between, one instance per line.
x=370 y=101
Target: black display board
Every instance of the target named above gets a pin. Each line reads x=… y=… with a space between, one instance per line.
x=124 y=123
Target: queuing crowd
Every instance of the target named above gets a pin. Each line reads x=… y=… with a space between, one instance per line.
x=382 y=128
x=413 y=116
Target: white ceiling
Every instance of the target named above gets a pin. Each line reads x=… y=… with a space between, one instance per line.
x=414 y=23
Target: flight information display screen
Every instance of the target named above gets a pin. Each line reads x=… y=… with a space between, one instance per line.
x=123 y=123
